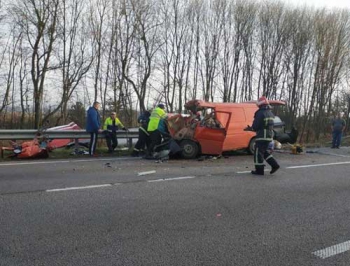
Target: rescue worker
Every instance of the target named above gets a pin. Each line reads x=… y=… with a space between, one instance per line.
x=93 y=124
x=155 y=135
x=110 y=127
x=143 y=141
x=263 y=126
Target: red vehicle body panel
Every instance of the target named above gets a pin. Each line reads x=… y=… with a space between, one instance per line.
x=234 y=117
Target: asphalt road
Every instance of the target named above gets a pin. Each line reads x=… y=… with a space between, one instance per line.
x=110 y=211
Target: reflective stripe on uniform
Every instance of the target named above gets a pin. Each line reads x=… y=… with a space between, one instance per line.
x=144 y=130
x=265 y=139
x=269 y=157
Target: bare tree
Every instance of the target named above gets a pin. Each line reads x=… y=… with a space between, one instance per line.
x=38 y=19
x=145 y=44
x=274 y=37
x=74 y=58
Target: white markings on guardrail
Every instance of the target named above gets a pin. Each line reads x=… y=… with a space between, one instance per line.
x=78 y=188
x=333 y=250
x=316 y=165
x=171 y=179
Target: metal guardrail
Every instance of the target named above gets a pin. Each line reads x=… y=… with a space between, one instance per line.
x=27 y=134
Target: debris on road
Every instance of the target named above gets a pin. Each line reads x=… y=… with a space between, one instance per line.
x=146 y=173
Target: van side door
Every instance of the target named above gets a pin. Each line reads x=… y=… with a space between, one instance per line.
x=211 y=139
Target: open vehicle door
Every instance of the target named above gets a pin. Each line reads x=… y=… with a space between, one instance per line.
x=211 y=139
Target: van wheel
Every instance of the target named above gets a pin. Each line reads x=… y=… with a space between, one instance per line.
x=251 y=146
x=189 y=148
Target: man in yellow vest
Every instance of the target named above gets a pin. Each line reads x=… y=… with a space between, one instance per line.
x=110 y=127
x=157 y=115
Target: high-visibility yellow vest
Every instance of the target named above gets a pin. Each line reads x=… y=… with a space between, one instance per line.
x=109 y=122
x=156 y=115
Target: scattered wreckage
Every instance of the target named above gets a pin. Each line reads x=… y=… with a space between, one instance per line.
x=40 y=146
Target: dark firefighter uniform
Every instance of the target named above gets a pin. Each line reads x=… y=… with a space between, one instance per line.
x=263 y=126
x=144 y=140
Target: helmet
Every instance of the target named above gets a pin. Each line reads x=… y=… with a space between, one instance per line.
x=262 y=101
x=161 y=105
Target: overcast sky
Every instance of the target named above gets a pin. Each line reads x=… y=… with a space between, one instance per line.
x=321 y=3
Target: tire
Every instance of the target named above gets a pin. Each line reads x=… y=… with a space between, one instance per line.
x=189 y=149
x=251 y=146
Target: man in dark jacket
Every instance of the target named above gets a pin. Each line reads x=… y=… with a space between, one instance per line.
x=143 y=141
x=263 y=126
x=93 y=124
x=338 y=127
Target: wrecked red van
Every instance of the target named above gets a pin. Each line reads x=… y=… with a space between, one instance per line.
x=220 y=128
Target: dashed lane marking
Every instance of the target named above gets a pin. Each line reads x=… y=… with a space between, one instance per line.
x=170 y=179
x=316 y=165
x=333 y=250
x=78 y=188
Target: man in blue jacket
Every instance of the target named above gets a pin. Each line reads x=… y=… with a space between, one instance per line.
x=263 y=126
x=93 y=124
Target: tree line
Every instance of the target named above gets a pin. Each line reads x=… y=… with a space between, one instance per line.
x=57 y=56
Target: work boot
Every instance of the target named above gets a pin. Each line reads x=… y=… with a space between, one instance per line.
x=274 y=169
x=274 y=165
x=258 y=171
x=135 y=153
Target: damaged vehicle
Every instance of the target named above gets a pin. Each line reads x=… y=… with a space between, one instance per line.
x=40 y=146
x=213 y=128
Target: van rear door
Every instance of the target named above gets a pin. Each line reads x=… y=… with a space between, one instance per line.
x=211 y=139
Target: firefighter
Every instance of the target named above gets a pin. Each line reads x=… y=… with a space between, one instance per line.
x=143 y=141
x=263 y=126
x=155 y=135
x=110 y=127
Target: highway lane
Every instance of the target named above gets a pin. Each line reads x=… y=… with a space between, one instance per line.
x=196 y=213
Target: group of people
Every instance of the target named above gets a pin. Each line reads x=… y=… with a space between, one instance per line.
x=152 y=128
x=110 y=127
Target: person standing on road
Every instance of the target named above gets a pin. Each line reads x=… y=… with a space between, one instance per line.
x=110 y=128
x=93 y=124
x=338 y=127
x=263 y=126
x=157 y=115
x=143 y=141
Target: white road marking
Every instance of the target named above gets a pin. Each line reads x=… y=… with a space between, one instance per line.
x=77 y=188
x=316 y=165
x=333 y=250
x=171 y=179
x=147 y=173
x=32 y=163
x=70 y=161
x=248 y=172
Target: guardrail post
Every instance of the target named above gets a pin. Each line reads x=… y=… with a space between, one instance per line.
x=76 y=146
x=130 y=143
